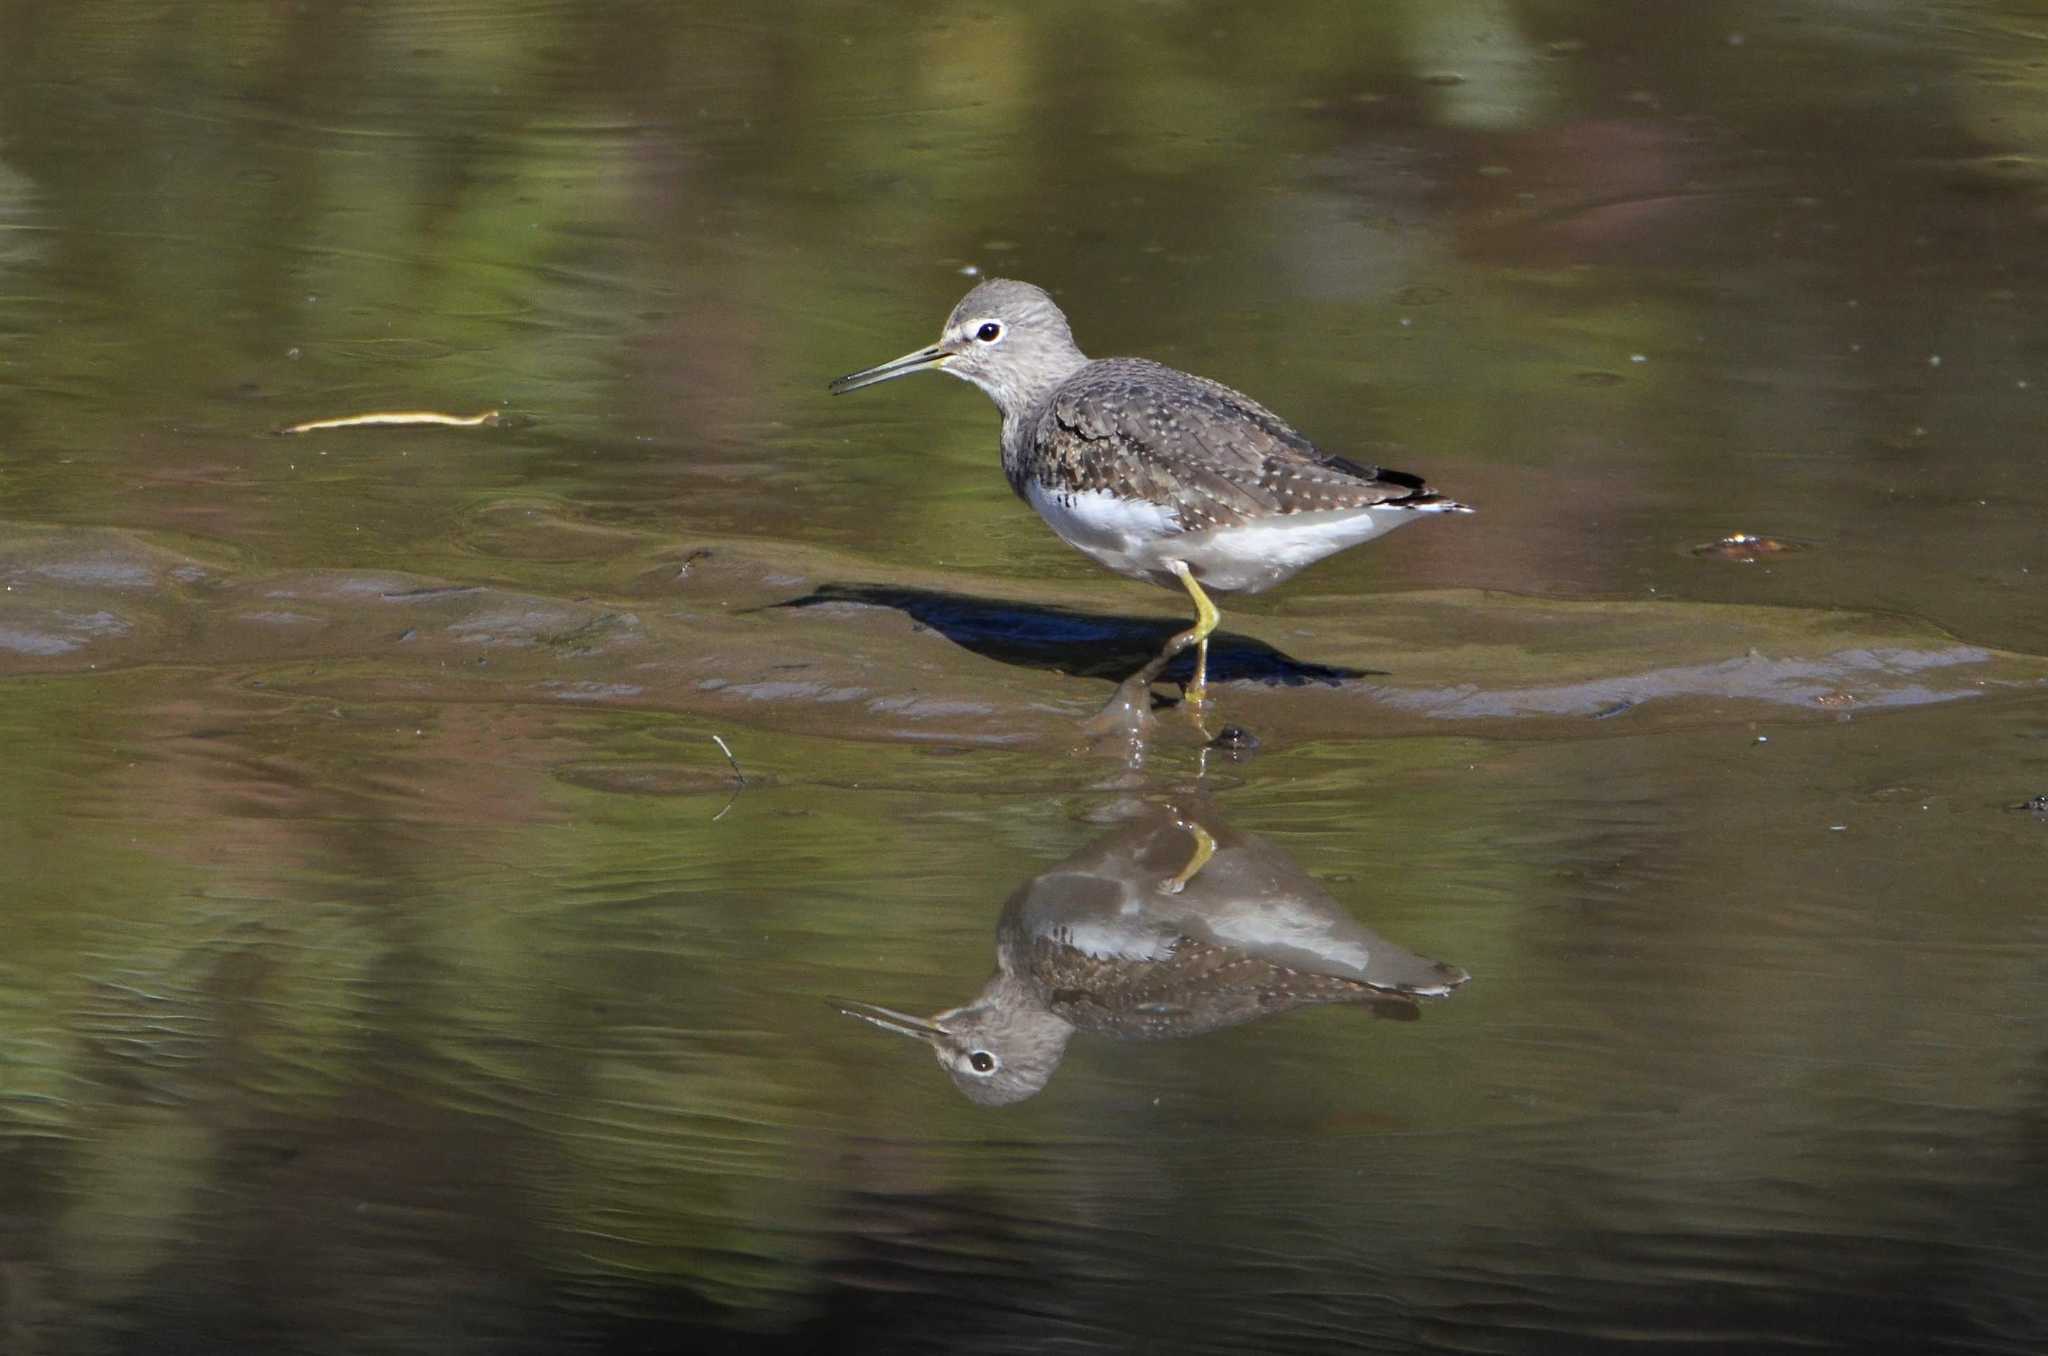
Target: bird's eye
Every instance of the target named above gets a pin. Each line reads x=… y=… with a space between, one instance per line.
x=989 y=332
x=982 y=1060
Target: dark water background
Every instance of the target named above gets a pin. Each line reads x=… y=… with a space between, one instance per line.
x=386 y=965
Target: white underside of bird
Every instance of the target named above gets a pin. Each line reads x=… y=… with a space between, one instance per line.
x=1139 y=538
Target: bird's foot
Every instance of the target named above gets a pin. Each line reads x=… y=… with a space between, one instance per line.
x=1198 y=857
x=1199 y=706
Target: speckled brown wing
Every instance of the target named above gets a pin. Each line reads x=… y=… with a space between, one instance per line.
x=1198 y=987
x=1219 y=458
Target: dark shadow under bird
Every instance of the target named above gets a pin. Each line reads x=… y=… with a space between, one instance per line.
x=1173 y=925
x=1082 y=644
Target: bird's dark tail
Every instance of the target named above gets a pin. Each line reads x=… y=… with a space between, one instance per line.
x=1419 y=496
x=1430 y=502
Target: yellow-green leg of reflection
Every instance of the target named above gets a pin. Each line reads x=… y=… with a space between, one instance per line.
x=1205 y=848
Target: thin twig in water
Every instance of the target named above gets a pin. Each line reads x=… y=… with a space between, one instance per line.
x=730 y=759
x=395 y=417
x=739 y=778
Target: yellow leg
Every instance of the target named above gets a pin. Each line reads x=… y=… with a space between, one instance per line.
x=1205 y=848
x=1206 y=618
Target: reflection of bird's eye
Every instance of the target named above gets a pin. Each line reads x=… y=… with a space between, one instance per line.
x=989 y=332
x=982 y=1060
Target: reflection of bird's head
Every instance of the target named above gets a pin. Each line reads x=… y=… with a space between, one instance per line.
x=1001 y=1048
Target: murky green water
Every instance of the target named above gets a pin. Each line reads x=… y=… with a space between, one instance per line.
x=387 y=963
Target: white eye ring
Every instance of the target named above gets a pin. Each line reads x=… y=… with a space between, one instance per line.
x=982 y=1062
x=989 y=332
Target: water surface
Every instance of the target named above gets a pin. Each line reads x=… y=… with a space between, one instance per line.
x=390 y=965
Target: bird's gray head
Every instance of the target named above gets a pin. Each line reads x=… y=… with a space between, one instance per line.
x=1001 y=1048
x=1007 y=337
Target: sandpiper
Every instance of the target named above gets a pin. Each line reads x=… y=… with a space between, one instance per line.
x=1153 y=472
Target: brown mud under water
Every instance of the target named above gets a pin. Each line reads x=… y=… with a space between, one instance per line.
x=802 y=640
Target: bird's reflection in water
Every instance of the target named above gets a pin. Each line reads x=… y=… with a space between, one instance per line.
x=1173 y=925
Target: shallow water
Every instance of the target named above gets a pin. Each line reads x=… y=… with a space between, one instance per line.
x=393 y=962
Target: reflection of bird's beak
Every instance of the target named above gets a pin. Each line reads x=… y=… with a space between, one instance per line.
x=902 y=1023
x=933 y=357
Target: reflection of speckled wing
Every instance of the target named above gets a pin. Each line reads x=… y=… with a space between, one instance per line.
x=1198 y=987
x=1142 y=430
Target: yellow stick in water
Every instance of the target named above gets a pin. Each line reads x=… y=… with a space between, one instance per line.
x=395 y=417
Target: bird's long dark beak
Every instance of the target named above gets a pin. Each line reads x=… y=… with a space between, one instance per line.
x=902 y=1023
x=919 y=361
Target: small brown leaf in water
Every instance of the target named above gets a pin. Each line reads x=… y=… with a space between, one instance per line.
x=1745 y=548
